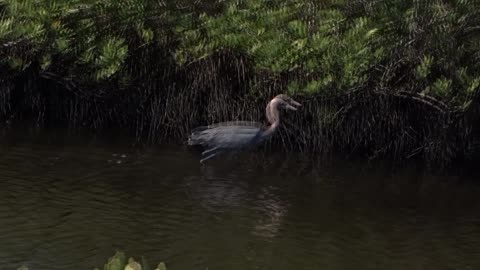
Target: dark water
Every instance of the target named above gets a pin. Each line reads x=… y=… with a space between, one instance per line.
x=70 y=203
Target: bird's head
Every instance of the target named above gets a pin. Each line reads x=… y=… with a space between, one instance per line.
x=286 y=102
x=280 y=102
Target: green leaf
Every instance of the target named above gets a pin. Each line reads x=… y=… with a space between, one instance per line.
x=62 y=44
x=46 y=61
x=147 y=35
x=6 y=25
x=423 y=70
x=293 y=87
x=299 y=28
x=112 y=55
x=161 y=266
x=116 y=262
x=371 y=33
x=441 y=87
x=474 y=86
x=312 y=86
x=17 y=63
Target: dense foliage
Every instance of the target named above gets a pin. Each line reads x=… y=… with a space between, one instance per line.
x=91 y=36
x=333 y=45
x=188 y=53
x=430 y=47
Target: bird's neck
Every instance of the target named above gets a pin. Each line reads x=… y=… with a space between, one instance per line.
x=272 y=128
x=273 y=117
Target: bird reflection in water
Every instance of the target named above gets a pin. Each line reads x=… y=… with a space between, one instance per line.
x=273 y=213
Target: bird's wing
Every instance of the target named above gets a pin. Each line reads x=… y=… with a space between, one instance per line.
x=228 y=124
x=226 y=134
x=237 y=123
x=232 y=136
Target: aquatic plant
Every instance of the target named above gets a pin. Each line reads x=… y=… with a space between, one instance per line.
x=118 y=262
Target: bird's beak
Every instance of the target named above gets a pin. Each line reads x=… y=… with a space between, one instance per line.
x=290 y=107
x=293 y=102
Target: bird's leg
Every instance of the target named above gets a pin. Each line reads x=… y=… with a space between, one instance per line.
x=215 y=151
x=208 y=157
x=209 y=151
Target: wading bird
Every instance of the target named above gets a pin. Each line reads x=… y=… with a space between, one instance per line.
x=236 y=135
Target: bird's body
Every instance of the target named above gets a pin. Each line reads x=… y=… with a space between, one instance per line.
x=235 y=135
x=227 y=135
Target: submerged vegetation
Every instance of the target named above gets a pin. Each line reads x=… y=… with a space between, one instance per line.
x=392 y=78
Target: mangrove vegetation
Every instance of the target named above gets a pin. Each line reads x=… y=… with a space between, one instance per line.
x=395 y=78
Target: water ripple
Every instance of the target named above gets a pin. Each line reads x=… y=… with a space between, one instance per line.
x=71 y=207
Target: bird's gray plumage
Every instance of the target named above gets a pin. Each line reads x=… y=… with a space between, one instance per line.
x=227 y=135
x=239 y=134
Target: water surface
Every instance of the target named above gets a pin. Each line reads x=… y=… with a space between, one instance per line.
x=70 y=202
